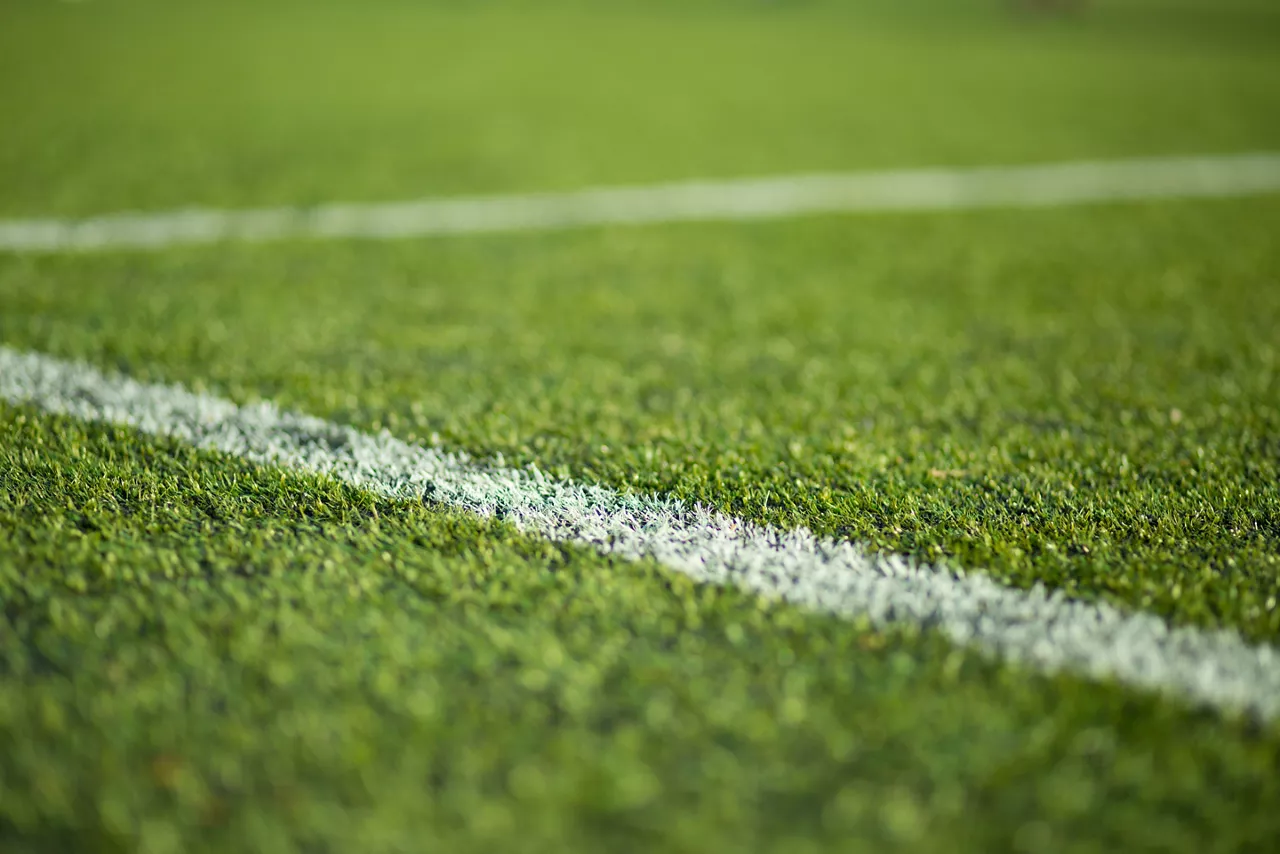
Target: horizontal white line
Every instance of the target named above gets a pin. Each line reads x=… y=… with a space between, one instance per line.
x=745 y=199
x=1038 y=628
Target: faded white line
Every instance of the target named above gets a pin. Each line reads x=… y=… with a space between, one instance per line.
x=1037 y=628
x=745 y=199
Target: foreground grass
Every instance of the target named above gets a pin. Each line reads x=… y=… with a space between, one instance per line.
x=198 y=654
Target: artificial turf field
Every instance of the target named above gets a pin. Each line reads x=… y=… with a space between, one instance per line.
x=201 y=653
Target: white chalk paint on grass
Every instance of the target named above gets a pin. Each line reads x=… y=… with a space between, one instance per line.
x=1036 y=628
x=743 y=199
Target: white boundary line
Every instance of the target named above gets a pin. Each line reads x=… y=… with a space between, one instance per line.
x=1036 y=627
x=745 y=199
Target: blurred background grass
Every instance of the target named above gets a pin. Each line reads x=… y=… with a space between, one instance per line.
x=123 y=103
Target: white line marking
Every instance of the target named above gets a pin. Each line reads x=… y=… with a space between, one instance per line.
x=1037 y=628
x=745 y=199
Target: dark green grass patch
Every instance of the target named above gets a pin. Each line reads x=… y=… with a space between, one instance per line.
x=1088 y=399
x=197 y=654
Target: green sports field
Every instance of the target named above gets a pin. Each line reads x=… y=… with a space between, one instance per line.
x=203 y=652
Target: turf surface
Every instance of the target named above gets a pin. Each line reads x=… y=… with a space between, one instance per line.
x=203 y=655
x=125 y=104
x=198 y=652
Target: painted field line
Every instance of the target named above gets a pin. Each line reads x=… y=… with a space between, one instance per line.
x=745 y=199
x=1035 y=627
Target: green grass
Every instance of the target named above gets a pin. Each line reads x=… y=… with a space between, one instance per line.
x=983 y=387
x=116 y=104
x=200 y=653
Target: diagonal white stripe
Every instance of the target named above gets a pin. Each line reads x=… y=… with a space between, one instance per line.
x=745 y=199
x=1034 y=627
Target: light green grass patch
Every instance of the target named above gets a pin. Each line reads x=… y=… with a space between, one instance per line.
x=129 y=104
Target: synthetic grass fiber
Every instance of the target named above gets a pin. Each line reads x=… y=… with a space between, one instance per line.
x=199 y=653
x=1040 y=629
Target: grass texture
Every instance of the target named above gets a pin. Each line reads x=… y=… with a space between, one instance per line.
x=197 y=653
